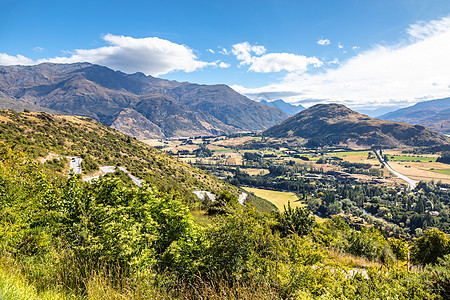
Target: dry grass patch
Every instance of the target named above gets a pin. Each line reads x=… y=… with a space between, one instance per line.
x=279 y=199
x=421 y=170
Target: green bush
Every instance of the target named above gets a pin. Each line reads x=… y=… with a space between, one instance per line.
x=432 y=245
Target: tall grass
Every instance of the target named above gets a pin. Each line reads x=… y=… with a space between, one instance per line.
x=17 y=283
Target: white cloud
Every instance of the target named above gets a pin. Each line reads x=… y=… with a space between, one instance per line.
x=272 y=62
x=340 y=46
x=276 y=62
x=224 y=65
x=211 y=51
x=406 y=72
x=422 y=30
x=8 y=60
x=323 y=42
x=38 y=49
x=355 y=47
x=335 y=61
x=150 y=55
x=244 y=51
x=223 y=50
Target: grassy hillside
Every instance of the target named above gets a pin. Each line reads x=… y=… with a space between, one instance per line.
x=38 y=134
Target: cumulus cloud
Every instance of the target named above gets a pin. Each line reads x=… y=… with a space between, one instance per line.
x=276 y=62
x=8 y=60
x=244 y=52
x=340 y=46
x=211 y=51
x=260 y=62
x=323 y=42
x=224 y=65
x=150 y=55
x=407 y=72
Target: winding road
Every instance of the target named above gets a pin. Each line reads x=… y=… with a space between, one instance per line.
x=411 y=182
x=75 y=164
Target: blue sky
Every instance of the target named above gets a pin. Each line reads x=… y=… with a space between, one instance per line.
x=361 y=53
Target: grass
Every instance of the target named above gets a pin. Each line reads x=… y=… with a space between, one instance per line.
x=349 y=153
x=223 y=150
x=279 y=199
x=411 y=158
x=14 y=285
x=446 y=172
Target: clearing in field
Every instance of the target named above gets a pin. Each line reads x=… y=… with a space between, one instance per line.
x=279 y=199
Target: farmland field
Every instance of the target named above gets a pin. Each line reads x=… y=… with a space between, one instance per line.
x=279 y=199
x=411 y=158
x=426 y=171
x=446 y=172
x=349 y=153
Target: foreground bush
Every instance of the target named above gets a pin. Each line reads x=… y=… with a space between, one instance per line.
x=108 y=241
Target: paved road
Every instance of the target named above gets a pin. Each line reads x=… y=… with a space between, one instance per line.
x=136 y=180
x=411 y=182
x=112 y=169
x=202 y=194
x=242 y=198
x=75 y=164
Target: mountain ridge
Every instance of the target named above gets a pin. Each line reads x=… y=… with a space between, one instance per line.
x=103 y=94
x=433 y=114
x=335 y=124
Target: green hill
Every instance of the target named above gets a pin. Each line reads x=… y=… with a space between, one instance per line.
x=38 y=134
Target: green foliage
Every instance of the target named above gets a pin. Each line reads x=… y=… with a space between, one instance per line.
x=368 y=243
x=439 y=276
x=88 y=164
x=106 y=240
x=399 y=247
x=444 y=158
x=432 y=245
x=298 y=220
x=223 y=204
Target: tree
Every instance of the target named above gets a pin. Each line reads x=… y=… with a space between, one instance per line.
x=432 y=245
x=399 y=247
x=298 y=220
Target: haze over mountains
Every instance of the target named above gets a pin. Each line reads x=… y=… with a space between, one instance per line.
x=335 y=124
x=136 y=104
x=288 y=108
x=434 y=114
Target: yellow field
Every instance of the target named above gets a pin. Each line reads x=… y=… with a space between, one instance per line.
x=279 y=199
x=252 y=171
x=421 y=170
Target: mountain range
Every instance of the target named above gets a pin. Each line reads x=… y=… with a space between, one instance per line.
x=335 y=124
x=288 y=108
x=138 y=105
x=434 y=114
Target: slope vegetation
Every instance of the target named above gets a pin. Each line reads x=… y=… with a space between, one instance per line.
x=37 y=134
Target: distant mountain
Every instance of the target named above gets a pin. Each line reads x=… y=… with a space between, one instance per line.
x=434 y=114
x=288 y=108
x=136 y=104
x=335 y=124
x=374 y=113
